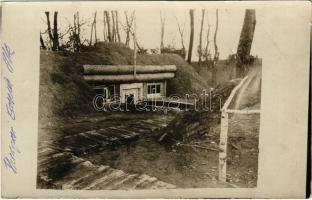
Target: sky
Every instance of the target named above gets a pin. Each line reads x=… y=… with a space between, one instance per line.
x=149 y=25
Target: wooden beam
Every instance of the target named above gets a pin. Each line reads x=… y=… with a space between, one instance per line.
x=128 y=77
x=126 y=69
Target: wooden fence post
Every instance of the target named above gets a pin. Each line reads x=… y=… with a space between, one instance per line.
x=223 y=145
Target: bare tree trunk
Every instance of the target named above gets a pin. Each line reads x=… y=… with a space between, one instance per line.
x=49 y=29
x=134 y=48
x=93 y=28
x=129 y=22
x=117 y=26
x=104 y=27
x=181 y=32
x=95 y=36
x=55 y=34
x=200 y=49
x=42 y=43
x=246 y=37
x=216 y=55
x=74 y=32
x=162 y=21
x=127 y=29
x=109 y=32
x=91 y=36
x=207 y=53
x=189 y=56
x=114 y=26
x=78 y=33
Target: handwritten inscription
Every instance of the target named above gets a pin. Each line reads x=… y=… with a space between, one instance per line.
x=10 y=158
x=7 y=54
x=10 y=99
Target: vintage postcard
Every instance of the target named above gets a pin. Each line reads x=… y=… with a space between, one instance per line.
x=154 y=99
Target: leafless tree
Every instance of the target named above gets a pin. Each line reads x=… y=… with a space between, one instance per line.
x=109 y=31
x=104 y=28
x=189 y=56
x=49 y=28
x=114 y=38
x=181 y=32
x=93 y=28
x=200 y=48
x=117 y=26
x=53 y=38
x=163 y=22
x=246 y=37
x=216 y=55
x=133 y=30
x=55 y=33
x=76 y=33
x=42 y=45
x=128 y=26
x=207 y=52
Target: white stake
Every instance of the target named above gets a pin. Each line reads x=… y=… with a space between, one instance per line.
x=223 y=146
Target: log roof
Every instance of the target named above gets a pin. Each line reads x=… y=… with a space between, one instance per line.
x=127 y=73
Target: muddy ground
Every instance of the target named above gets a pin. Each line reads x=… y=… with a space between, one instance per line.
x=185 y=165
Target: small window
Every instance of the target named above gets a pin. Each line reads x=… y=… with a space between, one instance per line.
x=153 y=89
x=158 y=88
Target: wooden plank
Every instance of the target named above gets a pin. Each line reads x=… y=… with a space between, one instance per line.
x=118 y=178
x=121 y=182
x=92 y=178
x=119 y=133
x=107 y=177
x=108 y=136
x=124 y=128
x=82 y=171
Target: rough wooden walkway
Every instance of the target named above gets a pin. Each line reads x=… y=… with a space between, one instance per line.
x=60 y=165
x=83 y=175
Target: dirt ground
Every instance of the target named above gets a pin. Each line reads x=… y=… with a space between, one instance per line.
x=182 y=165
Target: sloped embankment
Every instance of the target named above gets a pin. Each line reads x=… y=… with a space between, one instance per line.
x=64 y=94
x=187 y=125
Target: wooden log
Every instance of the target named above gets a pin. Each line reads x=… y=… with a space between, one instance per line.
x=223 y=146
x=128 y=78
x=243 y=111
x=126 y=69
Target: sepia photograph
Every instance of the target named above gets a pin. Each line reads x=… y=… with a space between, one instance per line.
x=133 y=99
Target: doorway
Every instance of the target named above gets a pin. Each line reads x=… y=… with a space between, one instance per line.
x=129 y=99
